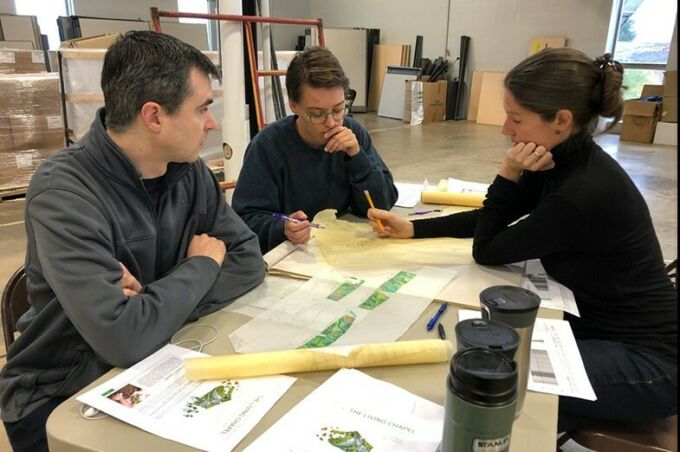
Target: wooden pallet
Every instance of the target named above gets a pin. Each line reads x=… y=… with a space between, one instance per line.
x=12 y=193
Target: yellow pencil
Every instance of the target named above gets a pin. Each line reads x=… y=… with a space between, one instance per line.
x=370 y=203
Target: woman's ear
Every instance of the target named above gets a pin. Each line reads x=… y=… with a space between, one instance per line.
x=564 y=121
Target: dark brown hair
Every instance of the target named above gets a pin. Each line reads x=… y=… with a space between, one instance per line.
x=317 y=68
x=556 y=79
x=143 y=66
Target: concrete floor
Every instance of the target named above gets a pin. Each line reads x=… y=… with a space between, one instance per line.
x=434 y=151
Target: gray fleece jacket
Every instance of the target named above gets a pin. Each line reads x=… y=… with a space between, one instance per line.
x=86 y=211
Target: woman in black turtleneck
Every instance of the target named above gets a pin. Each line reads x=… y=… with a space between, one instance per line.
x=590 y=227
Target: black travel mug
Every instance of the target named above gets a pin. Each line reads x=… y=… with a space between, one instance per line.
x=516 y=307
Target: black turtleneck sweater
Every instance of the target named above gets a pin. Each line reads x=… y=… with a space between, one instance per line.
x=591 y=229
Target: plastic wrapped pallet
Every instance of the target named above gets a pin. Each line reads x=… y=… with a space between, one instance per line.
x=31 y=126
x=81 y=70
x=18 y=61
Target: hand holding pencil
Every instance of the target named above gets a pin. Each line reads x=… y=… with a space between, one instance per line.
x=295 y=227
x=387 y=224
x=370 y=203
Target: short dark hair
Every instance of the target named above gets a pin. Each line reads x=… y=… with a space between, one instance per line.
x=315 y=67
x=145 y=66
x=562 y=78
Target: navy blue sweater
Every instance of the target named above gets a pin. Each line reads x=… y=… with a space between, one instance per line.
x=283 y=174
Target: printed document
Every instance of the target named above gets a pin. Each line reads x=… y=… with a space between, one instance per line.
x=461 y=186
x=409 y=194
x=352 y=411
x=553 y=294
x=154 y=395
x=344 y=308
x=556 y=364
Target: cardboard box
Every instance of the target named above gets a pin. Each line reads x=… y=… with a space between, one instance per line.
x=425 y=101
x=6 y=140
x=37 y=132
x=14 y=45
x=15 y=61
x=640 y=117
x=639 y=121
x=17 y=167
x=30 y=94
x=669 y=107
x=666 y=133
x=42 y=96
x=651 y=90
x=31 y=125
x=90 y=42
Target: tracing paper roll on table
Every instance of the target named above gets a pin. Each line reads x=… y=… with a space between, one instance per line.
x=307 y=360
x=452 y=199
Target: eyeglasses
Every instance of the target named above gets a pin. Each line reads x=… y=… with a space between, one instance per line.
x=318 y=118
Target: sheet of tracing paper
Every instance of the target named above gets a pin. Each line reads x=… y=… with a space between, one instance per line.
x=349 y=245
x=343 y=308
x=354 y=246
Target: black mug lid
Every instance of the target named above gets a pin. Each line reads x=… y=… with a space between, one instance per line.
x=512 y=305
x=483 y=377
x=489 y=334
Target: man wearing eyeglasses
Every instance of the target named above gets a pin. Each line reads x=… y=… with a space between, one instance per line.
x=316 y=159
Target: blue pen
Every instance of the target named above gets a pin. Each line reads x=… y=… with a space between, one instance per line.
x=433 y=321
x=423 y=212
x=282 y=217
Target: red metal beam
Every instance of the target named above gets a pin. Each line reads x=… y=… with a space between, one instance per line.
x=247 y=20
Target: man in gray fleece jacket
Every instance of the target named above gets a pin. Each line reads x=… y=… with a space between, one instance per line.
x=129 y=235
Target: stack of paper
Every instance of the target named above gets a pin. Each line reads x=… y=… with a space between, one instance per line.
x=155 y=396
x=354 y=412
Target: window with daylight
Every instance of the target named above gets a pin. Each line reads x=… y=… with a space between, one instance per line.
x=643 y=41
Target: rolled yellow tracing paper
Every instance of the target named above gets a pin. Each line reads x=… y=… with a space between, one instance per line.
x=306 y=360
x=453 y=199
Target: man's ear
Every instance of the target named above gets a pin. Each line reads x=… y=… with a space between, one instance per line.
x=564 y=120
x=150 y=115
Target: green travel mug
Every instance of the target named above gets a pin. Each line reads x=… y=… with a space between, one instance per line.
x=480 y=402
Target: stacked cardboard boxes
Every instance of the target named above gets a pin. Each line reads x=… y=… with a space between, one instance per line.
x=31 y=125
x=667 y=127
x=81 y=71
x=16 y=61
x=640 y=117
x=670 y=97
x=90 y=42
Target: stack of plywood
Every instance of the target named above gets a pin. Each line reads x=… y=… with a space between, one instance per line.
x=486 y=90
x=486 y=98
x=385 y=55
x=19 y=32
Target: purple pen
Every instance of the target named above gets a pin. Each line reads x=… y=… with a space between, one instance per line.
x=423 y=212
x=282 y=217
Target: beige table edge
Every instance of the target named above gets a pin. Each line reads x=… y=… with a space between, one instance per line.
x=535 y=430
